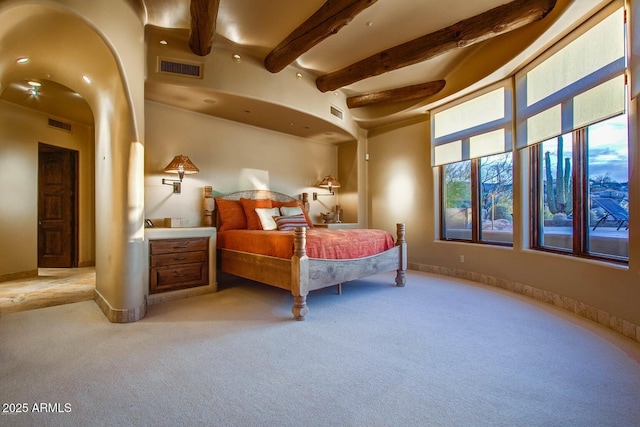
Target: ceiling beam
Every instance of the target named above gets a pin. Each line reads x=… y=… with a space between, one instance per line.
x=204 y=14
x=327 y=21
x=391 y=96
x=499 y=20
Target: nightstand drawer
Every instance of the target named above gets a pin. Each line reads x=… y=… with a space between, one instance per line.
x=168 y=246
x=178 y=258
x=178 y=277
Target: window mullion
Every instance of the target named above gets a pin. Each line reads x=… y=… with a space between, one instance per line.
x=442 y=201
x=580 y=194
x=535 y=184
x=475 y=200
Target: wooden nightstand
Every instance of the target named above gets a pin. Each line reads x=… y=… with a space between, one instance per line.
x=337 y=225
x=181 y=262
x=178 y=264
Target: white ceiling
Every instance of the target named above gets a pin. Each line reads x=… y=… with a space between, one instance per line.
x=258 y=26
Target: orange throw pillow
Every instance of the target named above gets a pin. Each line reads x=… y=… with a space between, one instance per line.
x=294 y=204
x=230 y=214
x=249 y=206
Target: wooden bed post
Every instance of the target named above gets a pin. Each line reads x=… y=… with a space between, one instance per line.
x=299 y=274
x=401 y=276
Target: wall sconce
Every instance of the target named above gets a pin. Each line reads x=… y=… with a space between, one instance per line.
x=328 y=182
x=180 y=165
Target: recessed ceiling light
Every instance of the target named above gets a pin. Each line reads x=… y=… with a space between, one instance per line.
x=369 y=24
x=86 y=79
x=22 y=60
x=298 y=76
x=209 y=101
x=34 y=89
x=237 y=57
x=164 y=42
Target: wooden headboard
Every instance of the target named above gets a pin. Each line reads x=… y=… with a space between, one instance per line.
x=259 y=195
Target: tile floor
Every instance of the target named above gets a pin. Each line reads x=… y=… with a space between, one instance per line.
x=52 y=286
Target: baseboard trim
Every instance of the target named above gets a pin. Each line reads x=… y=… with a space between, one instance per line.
x=602 y=317
x=119 y=315
x=181 y=294
x=83 y=264
x=18 y=275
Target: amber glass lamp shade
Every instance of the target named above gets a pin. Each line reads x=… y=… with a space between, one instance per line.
x=328 y=182
x=182 y=166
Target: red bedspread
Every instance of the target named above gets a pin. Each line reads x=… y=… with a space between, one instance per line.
x=321 y=242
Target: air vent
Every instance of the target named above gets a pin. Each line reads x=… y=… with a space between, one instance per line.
x=336 y=112
x=60 y=125
x=186 y=69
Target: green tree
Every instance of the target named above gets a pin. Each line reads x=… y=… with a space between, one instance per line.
x=458 y=184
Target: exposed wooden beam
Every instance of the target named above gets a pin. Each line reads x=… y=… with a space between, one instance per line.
x=499 y=20
x=400 y=94
x=328 y=20
x=204 y=14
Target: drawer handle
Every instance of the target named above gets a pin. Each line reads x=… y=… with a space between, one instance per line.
x=180 y=247
x=175 y=274
x=181 y=258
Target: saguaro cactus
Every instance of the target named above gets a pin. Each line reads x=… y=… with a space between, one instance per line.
x=559 y=195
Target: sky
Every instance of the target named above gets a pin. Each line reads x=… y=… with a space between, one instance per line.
x=608 y=149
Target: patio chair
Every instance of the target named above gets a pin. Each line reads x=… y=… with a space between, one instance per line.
x=613 y=212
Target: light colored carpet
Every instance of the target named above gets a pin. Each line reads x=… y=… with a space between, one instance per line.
x=439 y=352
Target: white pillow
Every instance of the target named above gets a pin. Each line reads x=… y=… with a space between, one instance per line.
x=291 y=210
x=266 y=218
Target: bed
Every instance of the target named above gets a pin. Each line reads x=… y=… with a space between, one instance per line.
x=296 y=270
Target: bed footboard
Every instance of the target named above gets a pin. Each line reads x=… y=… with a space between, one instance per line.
x=308 y=274
x=302 y=274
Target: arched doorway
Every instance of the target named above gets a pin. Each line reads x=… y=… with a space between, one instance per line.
x=67 y=47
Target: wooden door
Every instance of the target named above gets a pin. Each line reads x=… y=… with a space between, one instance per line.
x=57 y=212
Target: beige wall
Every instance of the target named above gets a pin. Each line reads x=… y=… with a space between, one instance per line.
x=399 y=180
x=348 y=177
x=231 y=157
x=403 y=188
x=21 y=130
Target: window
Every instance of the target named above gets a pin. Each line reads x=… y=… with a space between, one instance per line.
x=584 y=216
x=471 y=145
x=571 y=114
x=457 y=203
x=478 y=200
x=496 y=198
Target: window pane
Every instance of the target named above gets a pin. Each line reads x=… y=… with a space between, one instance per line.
x=487 y=143
x=556 y=210
x=457 y=200
x=608 y=172
x=599 y=46
x=596 y=104
x=482 y=109
x=447 y=153
x=496 y=187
